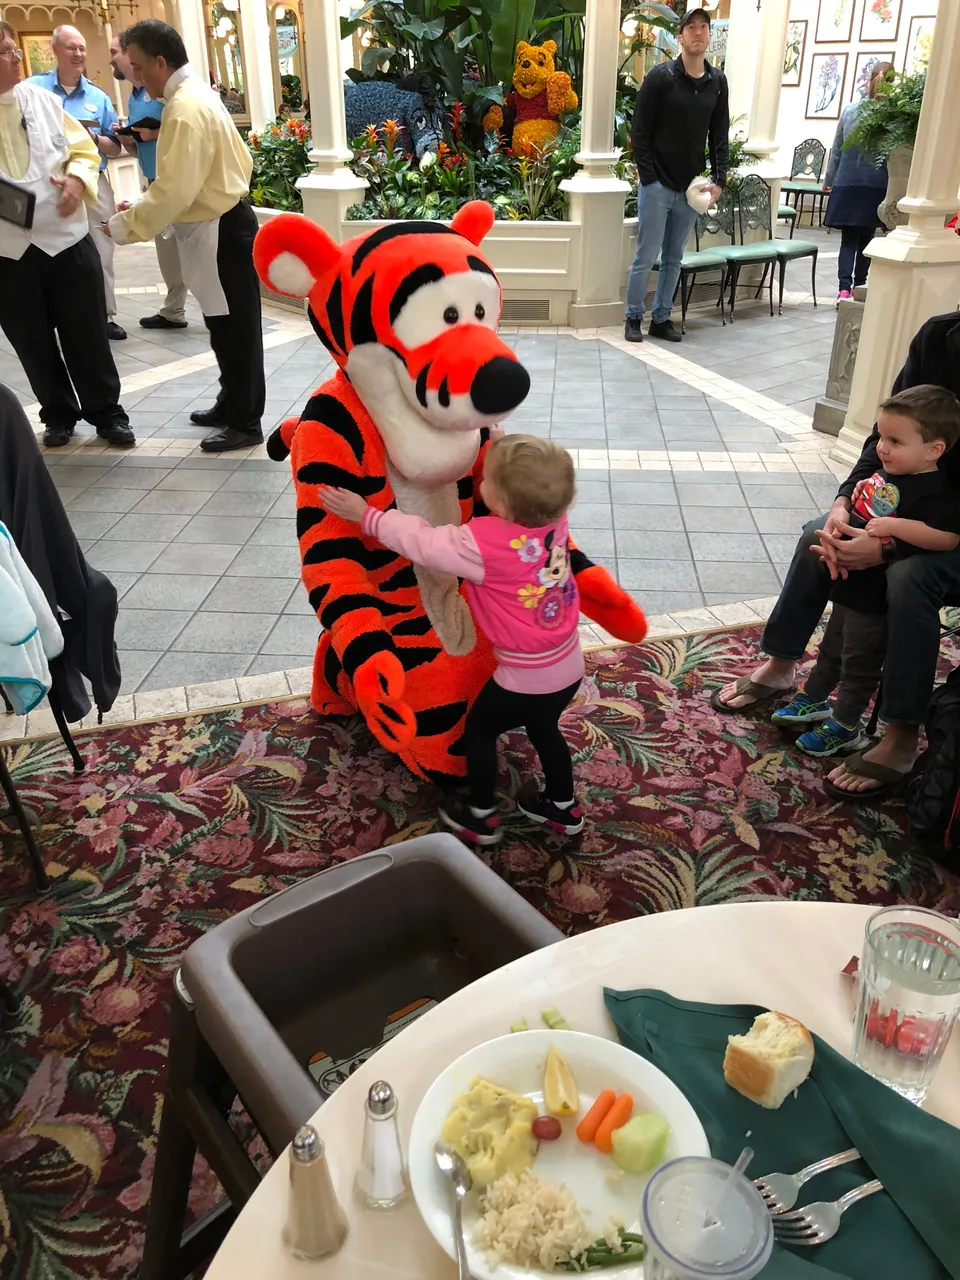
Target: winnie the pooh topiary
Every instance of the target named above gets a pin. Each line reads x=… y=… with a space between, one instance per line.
x=540 y=95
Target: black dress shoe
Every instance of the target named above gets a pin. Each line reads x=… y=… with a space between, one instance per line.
x=229 y=438
x=114 y=331
x=208 y=417
x=119 y=434
x=57 y=437
x=666 y=330
x=632 y=330
x=161 y=322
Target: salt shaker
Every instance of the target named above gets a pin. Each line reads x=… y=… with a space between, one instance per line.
x=382 y=1177
x=316 y=1225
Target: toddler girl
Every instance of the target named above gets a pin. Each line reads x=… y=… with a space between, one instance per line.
x=524 y=597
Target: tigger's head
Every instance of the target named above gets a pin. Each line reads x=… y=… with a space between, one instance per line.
x=409 y=312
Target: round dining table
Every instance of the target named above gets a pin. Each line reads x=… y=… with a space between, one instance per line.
x=782 y=955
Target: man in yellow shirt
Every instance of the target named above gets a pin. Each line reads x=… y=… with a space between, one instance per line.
x=203 y=176
x=51 y=282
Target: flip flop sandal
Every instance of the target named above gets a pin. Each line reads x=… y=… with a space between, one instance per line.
x=890 y=780
x=761 y=694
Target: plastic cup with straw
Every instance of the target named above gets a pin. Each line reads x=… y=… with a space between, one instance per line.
x=702 y=1218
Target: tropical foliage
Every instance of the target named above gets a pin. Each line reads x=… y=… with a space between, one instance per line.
x=176 y=826
x=280 y=157
x=890 y=119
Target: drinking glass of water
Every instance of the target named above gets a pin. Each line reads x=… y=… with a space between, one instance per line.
x=909 y=997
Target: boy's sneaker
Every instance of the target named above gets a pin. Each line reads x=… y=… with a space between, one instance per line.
x=463 y=822
x=535 y=805
x=802 y=710
x=829 y=738
x=632 y=329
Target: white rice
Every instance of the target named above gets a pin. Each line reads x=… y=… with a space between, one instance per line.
x=527 y=1222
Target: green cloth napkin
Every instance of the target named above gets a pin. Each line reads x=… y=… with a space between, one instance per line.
x=910 y=1231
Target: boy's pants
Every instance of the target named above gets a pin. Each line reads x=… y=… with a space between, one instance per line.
x=850 y=660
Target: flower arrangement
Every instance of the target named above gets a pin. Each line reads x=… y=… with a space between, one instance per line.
x=280 y=157
x=521 y=185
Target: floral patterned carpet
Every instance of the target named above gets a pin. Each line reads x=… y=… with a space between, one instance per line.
x=177 y=825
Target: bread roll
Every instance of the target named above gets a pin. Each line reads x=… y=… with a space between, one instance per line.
x=770 y=1061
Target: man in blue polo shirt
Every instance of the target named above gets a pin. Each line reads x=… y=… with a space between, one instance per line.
x=85 y=101
x=143 y=144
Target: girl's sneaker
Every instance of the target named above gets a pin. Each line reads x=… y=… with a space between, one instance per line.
x=844 y=296
x=463 y=822
x=829 y=738
x=802 y=710
x=535 y=805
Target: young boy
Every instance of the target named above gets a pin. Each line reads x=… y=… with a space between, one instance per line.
x=912 y=509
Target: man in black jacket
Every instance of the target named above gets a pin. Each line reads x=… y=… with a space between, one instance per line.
x=916 y=590
x=681 y=105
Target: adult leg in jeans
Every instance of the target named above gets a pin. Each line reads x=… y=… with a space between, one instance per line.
x=653 y=206
x=679 y=224
x=916 y=589
x=847 y=257
x=793 y=621
x=862 y=266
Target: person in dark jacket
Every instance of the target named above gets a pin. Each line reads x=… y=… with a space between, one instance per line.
x=857 y=184
x=83 y=600
x=681 y=107
x=916 y=590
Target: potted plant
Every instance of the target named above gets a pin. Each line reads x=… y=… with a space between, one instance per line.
x=886 y=128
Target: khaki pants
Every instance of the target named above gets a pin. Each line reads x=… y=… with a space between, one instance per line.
x=102 y=212
x=168 y=257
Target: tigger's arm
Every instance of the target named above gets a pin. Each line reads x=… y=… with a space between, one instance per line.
x=335 y=568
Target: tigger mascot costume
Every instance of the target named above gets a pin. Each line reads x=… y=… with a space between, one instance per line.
x=409 y=313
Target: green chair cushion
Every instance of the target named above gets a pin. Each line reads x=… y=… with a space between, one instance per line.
x=796 y=248
x=786 y=211
x=760 y=251
x=701 y=260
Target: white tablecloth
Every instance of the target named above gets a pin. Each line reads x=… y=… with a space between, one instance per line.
x=783 y=955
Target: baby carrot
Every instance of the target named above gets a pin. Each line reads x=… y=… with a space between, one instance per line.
x=588 y=1126
x=616 y=1118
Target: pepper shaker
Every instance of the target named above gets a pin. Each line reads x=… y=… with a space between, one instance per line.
x=382 y=1178
x=316 y=1225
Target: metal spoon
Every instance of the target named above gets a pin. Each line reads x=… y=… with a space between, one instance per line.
x=453 y=1167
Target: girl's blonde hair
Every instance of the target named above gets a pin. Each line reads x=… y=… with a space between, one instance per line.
x=534 y=476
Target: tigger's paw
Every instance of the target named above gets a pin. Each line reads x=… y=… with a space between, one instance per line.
x=379 y=684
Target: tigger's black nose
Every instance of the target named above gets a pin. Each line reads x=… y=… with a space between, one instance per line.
x=499 y=385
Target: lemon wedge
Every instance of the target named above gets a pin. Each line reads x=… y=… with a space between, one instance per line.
x=560 y=1094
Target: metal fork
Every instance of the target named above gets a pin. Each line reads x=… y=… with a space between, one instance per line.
x=819 y=1222
x=781 y=1191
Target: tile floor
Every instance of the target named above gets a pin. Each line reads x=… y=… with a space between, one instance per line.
x=696 y=466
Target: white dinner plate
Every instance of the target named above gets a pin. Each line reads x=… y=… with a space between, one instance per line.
x=515 y=1062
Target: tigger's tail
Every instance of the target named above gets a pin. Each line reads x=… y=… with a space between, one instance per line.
x=280 y=442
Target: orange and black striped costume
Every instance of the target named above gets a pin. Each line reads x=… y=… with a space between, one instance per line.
x=409 y=314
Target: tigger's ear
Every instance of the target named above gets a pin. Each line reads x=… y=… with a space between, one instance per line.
x=473 y=220
x=291 y=253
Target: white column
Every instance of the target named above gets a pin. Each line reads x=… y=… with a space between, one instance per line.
x=330 y=187
x=258 y=91
x=740 y=66
x=915 y=272
x=596 y=195
x=765 y=107
x=191 y=23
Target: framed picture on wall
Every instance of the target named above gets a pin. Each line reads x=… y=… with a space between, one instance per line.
x=825 y=94
x=881 y=20
x=835 y=21
x=919 y=44
x=38 y=53
x=863 y=69
x=793 y=58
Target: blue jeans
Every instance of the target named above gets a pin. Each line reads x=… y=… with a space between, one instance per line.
x=916 y=588
x=665 y=223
